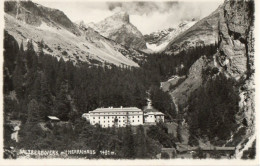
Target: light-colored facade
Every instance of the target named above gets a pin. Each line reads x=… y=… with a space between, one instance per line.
x=153 y=117
x=120 y=117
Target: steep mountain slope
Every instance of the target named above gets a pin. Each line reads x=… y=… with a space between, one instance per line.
x=157 y=41
x=119 y=28
x=194 y=80
x=204 y=32
x=35 y=14
x=26 y=20
x=235 y=59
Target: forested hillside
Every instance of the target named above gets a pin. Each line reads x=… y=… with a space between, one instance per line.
x=52 y=85
x=37 y=85
x=212 y=108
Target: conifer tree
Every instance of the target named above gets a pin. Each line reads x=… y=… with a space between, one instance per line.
x=18 y=75
x=141 y=147
x=128 y=148
x=33 y=111
x=62 y=105
x=30 y=53
x=40 y=45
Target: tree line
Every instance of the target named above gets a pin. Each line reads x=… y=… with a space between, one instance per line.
x=37 y=85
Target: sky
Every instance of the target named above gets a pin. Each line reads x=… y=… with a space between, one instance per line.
x=147 y=16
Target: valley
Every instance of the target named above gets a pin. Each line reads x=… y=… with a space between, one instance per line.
x=198 y=74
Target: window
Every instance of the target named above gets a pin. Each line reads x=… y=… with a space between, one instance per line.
x=138 y=120
x=99 y=117
x=119 y=120
x=108 y=117
x=104 y=117
x=133 y=121
x=123 y=117
x=93 y=117
x=108 y=121
x=138 y=116
x=133 y=116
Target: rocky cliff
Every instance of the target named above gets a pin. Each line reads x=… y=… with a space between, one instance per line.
x=118 y=28
x=236 y=56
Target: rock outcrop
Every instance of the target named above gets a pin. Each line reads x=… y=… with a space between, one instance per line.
x=118 y=28
x=236 y=39
x=236 y=55
x=191 y=83
x=234 y=58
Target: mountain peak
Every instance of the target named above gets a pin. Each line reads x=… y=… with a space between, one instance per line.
x=119 y=28
x=121 y=16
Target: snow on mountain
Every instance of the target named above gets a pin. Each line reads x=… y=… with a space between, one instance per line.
x=26 y=20
x=119 y=28
x=158 y=41
x=204 y=32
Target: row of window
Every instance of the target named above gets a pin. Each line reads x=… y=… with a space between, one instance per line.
x=140 y=112
x=113 y=121
x=123 y=125
x=104 y=117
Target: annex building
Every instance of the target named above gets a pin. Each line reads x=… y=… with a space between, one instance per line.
x=152 y=115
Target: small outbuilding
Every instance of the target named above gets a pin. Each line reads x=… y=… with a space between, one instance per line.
x=53 y=119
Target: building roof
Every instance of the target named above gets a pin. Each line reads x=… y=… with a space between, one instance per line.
x=149 y=109
x=120 y=109
x=154 y=113
x=53 y=118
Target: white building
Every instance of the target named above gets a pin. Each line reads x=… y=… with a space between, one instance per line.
x=151 y=115
x=14 y=135
x=120 y=117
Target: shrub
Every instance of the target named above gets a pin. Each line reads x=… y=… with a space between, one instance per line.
x=165 y=155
